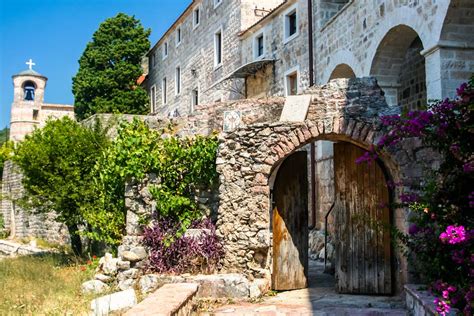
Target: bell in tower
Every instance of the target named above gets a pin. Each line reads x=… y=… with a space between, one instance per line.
x=29 y=91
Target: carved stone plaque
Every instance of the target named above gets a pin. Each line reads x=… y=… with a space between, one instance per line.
x=232 y=120
x=295 y=108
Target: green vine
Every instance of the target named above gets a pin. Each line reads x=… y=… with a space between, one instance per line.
x=181 y=165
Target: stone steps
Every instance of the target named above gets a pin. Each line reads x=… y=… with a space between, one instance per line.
x=170 y=299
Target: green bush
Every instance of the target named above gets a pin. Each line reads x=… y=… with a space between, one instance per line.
x=181 y=164
x=57 y=163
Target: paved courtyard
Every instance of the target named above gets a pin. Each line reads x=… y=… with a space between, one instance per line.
x=319 y=299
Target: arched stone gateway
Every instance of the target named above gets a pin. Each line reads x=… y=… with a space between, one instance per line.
x=341 y=111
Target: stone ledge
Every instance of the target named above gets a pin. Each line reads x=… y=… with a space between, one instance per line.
x=12 y=249
x=170 y=299
x=420 y=302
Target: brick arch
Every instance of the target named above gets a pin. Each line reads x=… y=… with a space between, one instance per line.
x=342 y=57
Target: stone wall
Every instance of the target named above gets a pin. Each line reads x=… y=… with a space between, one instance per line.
x=343 y=110
x=139 y=204
x=412 y=92
x=21 y=223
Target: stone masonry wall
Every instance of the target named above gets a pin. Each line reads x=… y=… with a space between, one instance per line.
x=26 y=224
x=344 y=110
x=412 y=92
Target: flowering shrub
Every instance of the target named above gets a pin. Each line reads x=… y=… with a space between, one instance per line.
x=440 y=240
x=90 y=266
x=174 y=253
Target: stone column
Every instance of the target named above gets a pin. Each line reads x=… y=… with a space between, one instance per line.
x=447 y=66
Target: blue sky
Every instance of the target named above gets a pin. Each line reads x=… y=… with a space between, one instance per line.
x=54 y=34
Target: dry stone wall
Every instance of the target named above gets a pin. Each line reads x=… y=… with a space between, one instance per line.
x=21 y=223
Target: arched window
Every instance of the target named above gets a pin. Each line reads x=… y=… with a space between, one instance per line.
x=29 y=91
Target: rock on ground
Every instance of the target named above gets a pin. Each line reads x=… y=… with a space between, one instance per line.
x=94 y=286
x=108 y=264
x=114 y=302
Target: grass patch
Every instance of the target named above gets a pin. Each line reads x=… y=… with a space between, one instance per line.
x=46 y=285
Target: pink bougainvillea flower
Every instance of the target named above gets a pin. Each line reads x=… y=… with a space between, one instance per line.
x=442 y=307
x=445 y=294
x=453 y=235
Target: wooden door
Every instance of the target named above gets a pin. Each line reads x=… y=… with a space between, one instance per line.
x=362 y=219
x=290 y=224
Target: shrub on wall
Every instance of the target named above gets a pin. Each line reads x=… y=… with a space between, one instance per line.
x=181 y=164
x=6 y=153
x=440 y=241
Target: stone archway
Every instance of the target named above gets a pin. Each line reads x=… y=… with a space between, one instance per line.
x=343 y=110
x=342 y=71
x=400 y=68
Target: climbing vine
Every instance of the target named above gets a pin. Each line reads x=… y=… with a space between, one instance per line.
x=181 y=165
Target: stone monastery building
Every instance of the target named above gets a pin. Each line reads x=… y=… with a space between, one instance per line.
x=256 y=64
x=261 y=72
x=221 y=50
x=28 y=109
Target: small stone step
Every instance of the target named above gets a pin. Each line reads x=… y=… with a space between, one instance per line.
x=360 y=312
x=170 y=299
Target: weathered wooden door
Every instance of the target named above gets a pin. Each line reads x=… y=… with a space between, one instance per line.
x=290 y=224
x=362 y=219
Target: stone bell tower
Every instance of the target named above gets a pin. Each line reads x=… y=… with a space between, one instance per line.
x=29 y=111
x=28 y=99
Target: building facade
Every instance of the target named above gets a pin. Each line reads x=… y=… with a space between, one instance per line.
x=200 y=49
x=226 y=50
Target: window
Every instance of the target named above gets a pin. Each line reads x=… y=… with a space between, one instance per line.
x=153 y=59
x=259 y=46
x=178 y=80
x=35 y=115
x=165 y=50
x=194 y=100
x=29 y=91
x=164 y=90
x=291 y=24
x=178 y=36
x=218 y=48
x=217 y=3
x=153 y=98
x=291 y=82
x=196 y=17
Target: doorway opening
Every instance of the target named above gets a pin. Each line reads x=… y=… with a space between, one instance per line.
x=331 y=221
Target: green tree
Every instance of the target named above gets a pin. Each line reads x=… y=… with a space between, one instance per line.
x=4 y=135
x=6 y=152
x=57 y=162
x=109 y=68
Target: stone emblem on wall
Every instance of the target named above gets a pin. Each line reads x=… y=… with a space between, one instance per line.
x=232 y=120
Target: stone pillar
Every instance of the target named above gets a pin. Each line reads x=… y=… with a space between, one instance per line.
x=447 y=66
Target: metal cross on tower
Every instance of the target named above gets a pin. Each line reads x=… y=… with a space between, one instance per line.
x=30 y=64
